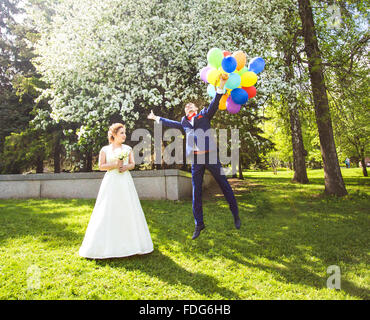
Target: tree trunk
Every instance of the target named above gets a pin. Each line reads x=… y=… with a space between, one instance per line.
x=299 y=153
x=363 y=163
x=89 y=161
x=240 y=170
x=56 y=153
x=364 y=170
x=334 y=183
x=40 y=165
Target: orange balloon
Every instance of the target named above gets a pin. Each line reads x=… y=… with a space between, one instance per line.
x=222 y=104
x=241 y=59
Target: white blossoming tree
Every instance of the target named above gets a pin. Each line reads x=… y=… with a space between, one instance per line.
x=108 y=60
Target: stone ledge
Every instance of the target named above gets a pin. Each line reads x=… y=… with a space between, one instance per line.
x=90 y=175
x=170 y=184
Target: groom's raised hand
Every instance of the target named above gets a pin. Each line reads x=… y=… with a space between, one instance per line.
x=223 y=79
x=152 y=116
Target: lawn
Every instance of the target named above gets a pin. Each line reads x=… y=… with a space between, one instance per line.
x=290 y=235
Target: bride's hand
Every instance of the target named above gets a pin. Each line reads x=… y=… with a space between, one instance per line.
x=123 y=168
x=119 y=164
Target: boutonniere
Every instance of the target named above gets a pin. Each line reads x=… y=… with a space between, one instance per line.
x=200 y=116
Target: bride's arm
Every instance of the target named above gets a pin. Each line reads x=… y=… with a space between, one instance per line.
x=103 y=165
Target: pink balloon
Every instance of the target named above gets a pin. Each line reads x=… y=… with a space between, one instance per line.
x=231 y=106
x=204 y=72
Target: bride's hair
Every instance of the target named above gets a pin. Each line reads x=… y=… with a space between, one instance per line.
x=113 y=129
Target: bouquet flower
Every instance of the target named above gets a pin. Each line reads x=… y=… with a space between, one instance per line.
x=123 y=156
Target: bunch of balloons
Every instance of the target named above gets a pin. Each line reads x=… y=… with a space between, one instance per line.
x=240 y=85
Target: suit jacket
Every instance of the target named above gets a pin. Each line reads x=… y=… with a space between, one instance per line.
x=196 y=136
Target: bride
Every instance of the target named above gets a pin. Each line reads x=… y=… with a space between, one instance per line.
x=117 y=226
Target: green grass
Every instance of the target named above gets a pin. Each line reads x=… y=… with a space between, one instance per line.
x=291 y=233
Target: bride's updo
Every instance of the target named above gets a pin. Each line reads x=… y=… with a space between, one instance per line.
x=113 y=129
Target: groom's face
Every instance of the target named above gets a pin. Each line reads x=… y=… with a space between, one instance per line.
x=190 y=108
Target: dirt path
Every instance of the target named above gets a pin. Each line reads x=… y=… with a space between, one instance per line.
x=214 y=191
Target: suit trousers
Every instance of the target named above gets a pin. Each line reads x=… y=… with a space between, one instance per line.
x=211 y=162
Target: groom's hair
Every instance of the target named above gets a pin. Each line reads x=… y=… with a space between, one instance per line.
x=113 y=129
x=190 y=104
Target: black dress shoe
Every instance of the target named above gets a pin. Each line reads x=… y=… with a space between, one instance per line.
x=197 y=231
x=237 y=222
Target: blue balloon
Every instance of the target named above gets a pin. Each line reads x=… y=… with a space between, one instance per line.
x=256 y=65
x=211 y=90
x=239 y=96
x=229 y=64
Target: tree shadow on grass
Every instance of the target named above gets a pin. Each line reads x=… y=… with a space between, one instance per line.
x=158 y=265
x=287 y=261
x=299 y=244
x=39 y=219
x=296 y=240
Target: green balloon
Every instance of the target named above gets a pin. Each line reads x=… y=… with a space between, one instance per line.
x=241 y=71
x=215 y=57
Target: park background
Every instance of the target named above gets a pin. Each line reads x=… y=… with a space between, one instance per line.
x=71 y=68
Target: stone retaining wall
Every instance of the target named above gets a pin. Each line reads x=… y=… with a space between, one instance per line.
x=171 y=184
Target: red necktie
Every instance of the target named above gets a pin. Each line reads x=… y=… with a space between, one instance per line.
x=193 y=115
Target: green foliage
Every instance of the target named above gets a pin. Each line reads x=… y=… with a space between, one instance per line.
x=253 y=145
x=16 y=72
x=345 y=49
x=105 y=60
x=24 y=151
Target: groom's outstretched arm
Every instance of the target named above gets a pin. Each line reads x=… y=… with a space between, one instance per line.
x=213 y=107
x=169 y=123
x=166 y=122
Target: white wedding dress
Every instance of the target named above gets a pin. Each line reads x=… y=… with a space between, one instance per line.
x=117 y=227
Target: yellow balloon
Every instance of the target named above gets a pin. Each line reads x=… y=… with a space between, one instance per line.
x=249 y=79
x=212 y=76
x=222 y=104
x=222 y=70
x=241 y=59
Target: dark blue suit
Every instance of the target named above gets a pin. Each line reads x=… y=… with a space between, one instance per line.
x=200 y=163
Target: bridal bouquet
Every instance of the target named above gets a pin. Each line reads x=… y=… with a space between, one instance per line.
x=123 y=155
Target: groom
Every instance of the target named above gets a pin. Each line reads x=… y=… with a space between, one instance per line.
x=195 y=125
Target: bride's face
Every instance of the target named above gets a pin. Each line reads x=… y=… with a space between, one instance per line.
x=120 y=137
